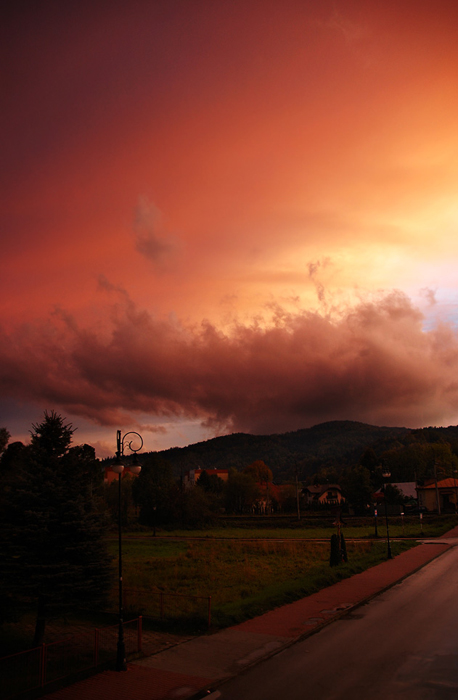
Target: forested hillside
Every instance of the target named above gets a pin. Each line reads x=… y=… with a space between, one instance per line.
x=330 y=446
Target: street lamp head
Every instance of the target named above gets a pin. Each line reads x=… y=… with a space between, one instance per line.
x=135 y=467
x=386 y=473
x=117 y=466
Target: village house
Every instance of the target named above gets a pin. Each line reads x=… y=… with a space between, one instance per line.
x=447 y=492
x=323 y=494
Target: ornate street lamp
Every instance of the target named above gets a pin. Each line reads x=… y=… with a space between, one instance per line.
x=135 y=468
x=386 y=475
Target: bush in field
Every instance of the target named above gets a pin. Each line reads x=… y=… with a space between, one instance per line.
x=338 y=550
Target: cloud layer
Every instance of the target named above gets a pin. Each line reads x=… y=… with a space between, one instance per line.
x=373 y=363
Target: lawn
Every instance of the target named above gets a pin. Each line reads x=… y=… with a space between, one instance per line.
x=245 y=571
x=409 y=526
x=244 y=579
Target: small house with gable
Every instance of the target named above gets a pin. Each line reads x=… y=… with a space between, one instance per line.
x=323 y=494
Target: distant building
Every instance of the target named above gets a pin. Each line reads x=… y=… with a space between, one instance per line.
x=327 y=494
x=447 y=490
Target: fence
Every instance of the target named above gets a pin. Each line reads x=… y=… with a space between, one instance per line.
x=35 y=668
x=177 y=606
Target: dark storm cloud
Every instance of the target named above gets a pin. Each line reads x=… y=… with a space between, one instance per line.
x=374 y=363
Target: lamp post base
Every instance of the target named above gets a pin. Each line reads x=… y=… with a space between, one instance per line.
x=121 y=657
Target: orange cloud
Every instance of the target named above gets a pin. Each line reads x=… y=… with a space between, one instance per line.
x=374 y=363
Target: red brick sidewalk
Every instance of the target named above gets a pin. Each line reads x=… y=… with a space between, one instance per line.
x=289 y=620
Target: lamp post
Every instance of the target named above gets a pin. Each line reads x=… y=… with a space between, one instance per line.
x=386 y=475
x=135 y=468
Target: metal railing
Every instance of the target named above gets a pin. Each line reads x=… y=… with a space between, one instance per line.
x=36 y=668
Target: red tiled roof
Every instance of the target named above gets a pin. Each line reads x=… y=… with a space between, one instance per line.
x=443 y=484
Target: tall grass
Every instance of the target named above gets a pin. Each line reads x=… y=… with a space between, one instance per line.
x=409 y=526
x=243 y=579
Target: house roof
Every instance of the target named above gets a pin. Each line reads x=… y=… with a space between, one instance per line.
x=442 y=484
x=314 y=488
x=319 y=489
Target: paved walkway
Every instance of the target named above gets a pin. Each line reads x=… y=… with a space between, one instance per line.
x=202 y=663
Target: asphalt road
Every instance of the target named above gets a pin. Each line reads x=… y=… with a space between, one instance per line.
x=402 y=645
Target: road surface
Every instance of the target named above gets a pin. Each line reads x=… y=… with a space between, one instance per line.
x=402 y=645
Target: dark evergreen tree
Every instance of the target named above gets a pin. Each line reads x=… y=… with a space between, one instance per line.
x=52 y=535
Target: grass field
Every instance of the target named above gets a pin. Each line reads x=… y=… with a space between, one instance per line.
x=245 y=570
x=409 y=526
x=243 y=579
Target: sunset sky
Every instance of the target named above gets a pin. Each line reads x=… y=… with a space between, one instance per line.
x=228 y=215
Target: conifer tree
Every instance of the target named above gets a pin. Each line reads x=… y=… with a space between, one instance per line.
x=52 y=536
